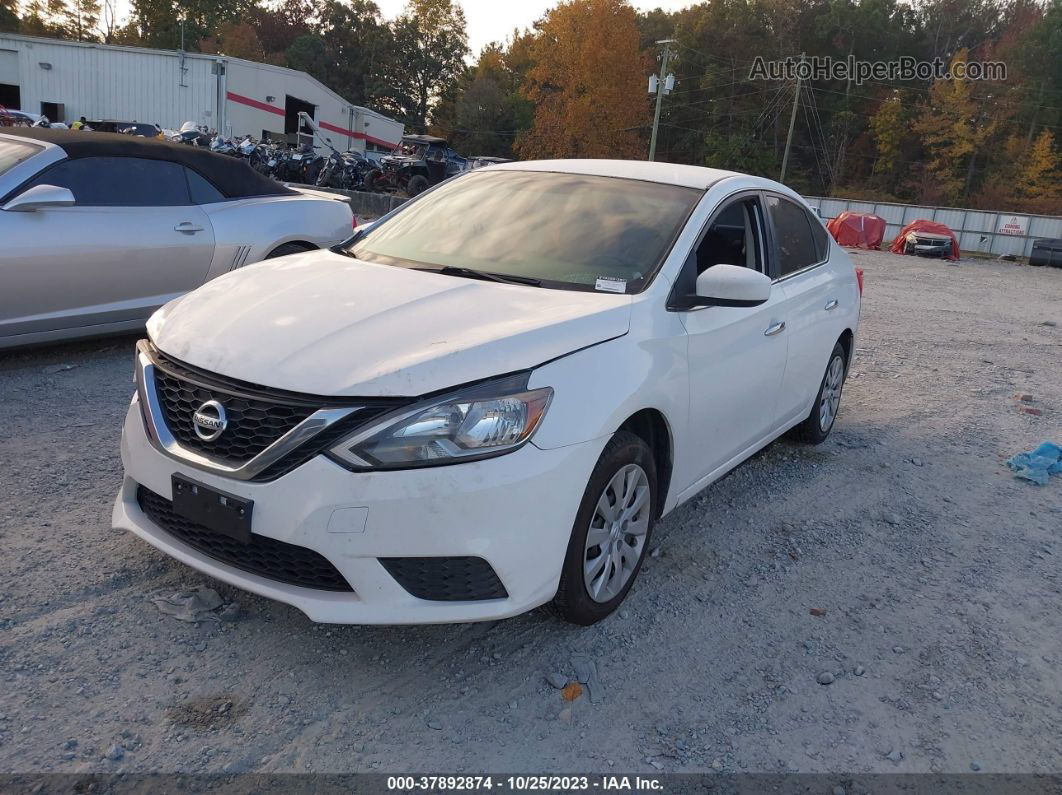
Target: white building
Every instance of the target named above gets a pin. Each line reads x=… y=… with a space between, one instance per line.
x=65 y=80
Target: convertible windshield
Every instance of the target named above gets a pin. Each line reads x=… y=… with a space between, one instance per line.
x=14 y=152
x=565 y=230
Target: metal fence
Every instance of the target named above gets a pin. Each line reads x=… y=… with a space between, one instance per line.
x=977 y=230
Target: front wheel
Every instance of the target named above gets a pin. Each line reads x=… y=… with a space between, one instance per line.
x=611 y=532
x=816 y=427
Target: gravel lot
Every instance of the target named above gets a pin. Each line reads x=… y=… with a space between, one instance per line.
x=937 y=571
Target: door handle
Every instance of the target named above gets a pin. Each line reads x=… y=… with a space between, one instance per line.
x=187 y=226
x=774 y=329
x=831 y=304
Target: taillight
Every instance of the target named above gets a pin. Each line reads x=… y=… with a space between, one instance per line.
x=354 y=225
x=859 y=278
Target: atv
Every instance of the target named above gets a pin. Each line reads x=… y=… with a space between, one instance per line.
x=417 y=163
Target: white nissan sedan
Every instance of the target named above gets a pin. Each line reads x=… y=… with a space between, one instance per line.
x=486 y=401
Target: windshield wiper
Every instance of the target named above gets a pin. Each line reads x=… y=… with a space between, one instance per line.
x=472 y=273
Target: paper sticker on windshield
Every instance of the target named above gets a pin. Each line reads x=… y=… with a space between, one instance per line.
x=610 y=284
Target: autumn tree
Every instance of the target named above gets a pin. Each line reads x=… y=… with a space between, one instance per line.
x=954 y=125
x=890 y=127
x=238 y=39
x=1040 y=181
x=587 y=83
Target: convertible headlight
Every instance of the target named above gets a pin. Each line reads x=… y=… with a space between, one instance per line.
x=483 y=421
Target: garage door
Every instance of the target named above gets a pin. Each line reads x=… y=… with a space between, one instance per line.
x=9 y=67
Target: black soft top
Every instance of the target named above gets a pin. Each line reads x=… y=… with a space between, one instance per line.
x=233 y=177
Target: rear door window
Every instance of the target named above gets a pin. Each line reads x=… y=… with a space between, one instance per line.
x=119 y=182
x=796 y=244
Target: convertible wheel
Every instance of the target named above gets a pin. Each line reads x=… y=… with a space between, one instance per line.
x=823 y=414
x=611 y=533
x=286 y=248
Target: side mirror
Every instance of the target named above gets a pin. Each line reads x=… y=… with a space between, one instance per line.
x=731 y=285
x=40 y=197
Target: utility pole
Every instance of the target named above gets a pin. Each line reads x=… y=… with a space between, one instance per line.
x=660 y=93
x=792 y=124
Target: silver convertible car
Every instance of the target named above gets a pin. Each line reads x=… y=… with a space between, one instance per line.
x=97 y=231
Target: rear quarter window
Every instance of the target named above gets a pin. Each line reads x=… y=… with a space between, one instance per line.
x=14 y=152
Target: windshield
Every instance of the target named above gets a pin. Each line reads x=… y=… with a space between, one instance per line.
x=14 y=152
x=567 y=230
x=410 y=149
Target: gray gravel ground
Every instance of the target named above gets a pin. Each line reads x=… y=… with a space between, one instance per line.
x=938 y=574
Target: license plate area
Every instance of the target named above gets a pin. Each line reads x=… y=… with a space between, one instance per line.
x=215 y=510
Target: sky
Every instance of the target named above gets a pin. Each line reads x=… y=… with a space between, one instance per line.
x=495 y=20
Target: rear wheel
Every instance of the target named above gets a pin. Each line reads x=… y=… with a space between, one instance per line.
x=816 y=427
x=417 y=184
x=611 y=532
x=287 y=248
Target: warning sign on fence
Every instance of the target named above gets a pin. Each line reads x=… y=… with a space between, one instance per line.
x=1013 y=225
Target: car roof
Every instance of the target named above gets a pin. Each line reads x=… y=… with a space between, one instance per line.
x=669 y=173
x=232 y=176
x=424 y=139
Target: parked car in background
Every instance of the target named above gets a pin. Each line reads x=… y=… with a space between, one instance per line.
x=98 y=230
x=417 y=163
x=136 y=128
x=17 y=118
x=485 y=160
x=469 y=409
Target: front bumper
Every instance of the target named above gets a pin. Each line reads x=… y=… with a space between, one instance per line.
x=514 y=511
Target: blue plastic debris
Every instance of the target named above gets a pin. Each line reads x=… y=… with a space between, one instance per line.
x=1039 y=464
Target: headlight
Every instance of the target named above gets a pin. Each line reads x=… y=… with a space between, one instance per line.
x=483 y=421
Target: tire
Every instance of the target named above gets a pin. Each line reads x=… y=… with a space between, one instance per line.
x=811 y=430
x=286 y=248
x=418 y=183
x=624 y=455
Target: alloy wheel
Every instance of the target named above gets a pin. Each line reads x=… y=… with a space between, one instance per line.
x=616 y=538
x=831 y=393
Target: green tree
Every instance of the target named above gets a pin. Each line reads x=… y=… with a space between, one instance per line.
x=157 y=23
x=429 y=44
x=307 y=54
x=9 y=21
x=356 y=45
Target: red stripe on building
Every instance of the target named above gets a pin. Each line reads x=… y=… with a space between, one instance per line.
x=324 y=125
x=254 y=103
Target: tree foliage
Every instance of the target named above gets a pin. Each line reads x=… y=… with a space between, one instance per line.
x=575 y=83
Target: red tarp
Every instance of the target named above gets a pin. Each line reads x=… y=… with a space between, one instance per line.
x=861 y=230
x=922 y=225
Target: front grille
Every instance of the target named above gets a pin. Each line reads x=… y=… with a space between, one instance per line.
x=264 y=556
x=257 y=416
x=446 y=579
x=253 y=424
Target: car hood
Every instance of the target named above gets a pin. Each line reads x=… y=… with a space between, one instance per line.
x=327 y=324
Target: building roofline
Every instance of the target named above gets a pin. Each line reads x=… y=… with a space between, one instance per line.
x=195 y=56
